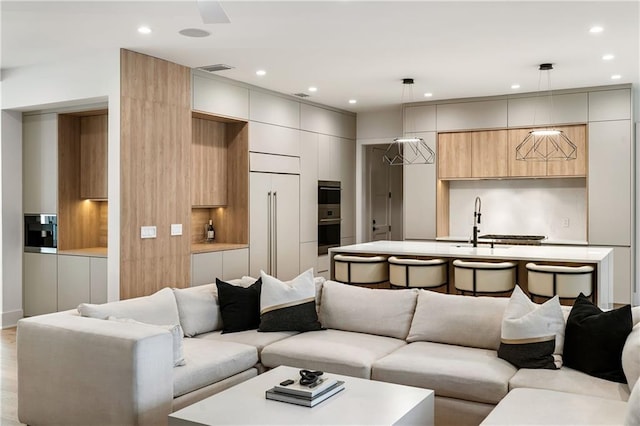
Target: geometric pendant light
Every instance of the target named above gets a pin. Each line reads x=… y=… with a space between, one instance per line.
x=546 y=144
x=408 y=150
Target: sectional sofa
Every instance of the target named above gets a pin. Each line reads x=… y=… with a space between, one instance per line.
x=85 y=369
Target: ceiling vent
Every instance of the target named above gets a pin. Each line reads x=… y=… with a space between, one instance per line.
x=216 y=67
x=301 y=95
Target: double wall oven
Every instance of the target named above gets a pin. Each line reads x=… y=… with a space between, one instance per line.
x=329 y=193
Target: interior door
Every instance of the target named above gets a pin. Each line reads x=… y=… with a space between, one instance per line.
x=286 y=232
x=259 y=222
x=379 y=196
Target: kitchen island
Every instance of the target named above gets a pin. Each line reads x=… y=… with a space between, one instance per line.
x=601 y=258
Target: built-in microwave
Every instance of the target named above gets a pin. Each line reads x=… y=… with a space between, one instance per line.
x=329 y=220
x=40 y=231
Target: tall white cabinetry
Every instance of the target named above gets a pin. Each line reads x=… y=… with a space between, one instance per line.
x=40 y=278
x=274 y=223
x=40 y=163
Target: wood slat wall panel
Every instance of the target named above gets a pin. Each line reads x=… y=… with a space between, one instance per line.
x=155 y=143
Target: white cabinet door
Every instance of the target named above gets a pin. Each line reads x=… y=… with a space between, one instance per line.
x=40 y=280
x=610 y=105
x=346 y=160
x=74 y=281
x=328 y=167
x=419 y=196
x=274 y=224
x=309 y=256
x=235 y=264
x=206 y=267
x=98 y=279
x=273 y=109
x=610 y=187
x=309 y=187
x=40 y=163
x=272 y=139
x=217 y=97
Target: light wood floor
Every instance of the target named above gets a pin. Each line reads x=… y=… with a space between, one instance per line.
x=9 y=402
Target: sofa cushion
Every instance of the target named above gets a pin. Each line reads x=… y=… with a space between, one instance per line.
x=569 y=380
x=532 y=334
x=365 y=310
x=249 y=337
x=631 y=357
x=198 y=309
x=239 y=306
x=209 y=361
x=471 y=374
x=458 y=320
x=632 y=417
x=546 y=407
x=159 y=308
x=594 y=339
x=288 y=305
x=335 y=351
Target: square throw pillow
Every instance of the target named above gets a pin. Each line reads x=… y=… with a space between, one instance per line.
x=594 y=339
x=532 y=335
x=198 y=309
x=288 y=305
x=239 y=306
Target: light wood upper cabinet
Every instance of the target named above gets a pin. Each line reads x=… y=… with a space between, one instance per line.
x=454 y=155
x=208 y=163
x=93 y=156
x=489 y=153
x=518 y=168
x=571 y=168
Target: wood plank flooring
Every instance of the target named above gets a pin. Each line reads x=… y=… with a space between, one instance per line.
x=9 y=403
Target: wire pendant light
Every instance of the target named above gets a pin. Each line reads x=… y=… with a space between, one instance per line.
x=408 y=150
x=546 y=144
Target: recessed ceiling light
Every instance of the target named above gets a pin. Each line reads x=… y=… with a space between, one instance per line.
x=515 y=86
x=607 y=57
x=261 y=72
x=596 y=29
x=313 y=89
x=353 y=101
x=144 y=30
x=428 y=95
x=194 y=32
x=616 y=77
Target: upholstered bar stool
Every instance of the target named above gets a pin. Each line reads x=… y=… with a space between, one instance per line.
x=418 y=273
x=484 y=277
x=565 y=281
x=361 y=270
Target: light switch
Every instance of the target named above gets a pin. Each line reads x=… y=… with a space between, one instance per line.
x=147 y=232
x=176 y=229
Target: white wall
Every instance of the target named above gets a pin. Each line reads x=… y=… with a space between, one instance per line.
x=372 y=128
x=59 y=86
x=521 y=207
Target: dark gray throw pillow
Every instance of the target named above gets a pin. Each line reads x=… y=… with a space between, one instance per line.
x=239 y=306
x=594 y=339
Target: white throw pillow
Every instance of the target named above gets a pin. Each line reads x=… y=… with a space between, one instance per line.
x=176 y=334
x=290 y=305
x=631 y=357
x=159 y=308
x=532 y=335
x=199 y=309
x=366 y=310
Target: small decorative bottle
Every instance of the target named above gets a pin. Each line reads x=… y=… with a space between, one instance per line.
x=211 y=233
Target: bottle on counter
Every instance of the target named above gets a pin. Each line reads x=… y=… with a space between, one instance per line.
x=211 y=233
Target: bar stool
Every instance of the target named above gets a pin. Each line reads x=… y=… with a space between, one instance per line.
x=484 y=277
x=565 y=281
x=350 y=269
x=418 y=273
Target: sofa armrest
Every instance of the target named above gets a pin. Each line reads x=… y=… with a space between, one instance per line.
x=74 y=370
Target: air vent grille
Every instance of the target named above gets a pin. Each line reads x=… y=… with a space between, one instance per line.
x=216 y=67
x=301 y=95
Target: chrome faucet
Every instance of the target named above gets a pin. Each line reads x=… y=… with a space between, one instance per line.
x=476 y=220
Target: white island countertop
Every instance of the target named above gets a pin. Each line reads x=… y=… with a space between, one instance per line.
x=599 y=257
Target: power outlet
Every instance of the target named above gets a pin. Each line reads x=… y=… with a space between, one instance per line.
x=565 y=222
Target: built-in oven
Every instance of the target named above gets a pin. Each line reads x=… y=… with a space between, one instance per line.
x=40 y=231
x=329 y=220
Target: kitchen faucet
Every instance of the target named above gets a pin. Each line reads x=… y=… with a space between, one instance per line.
x=476 y=220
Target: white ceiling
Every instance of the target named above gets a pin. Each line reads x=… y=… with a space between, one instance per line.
x=349 y=49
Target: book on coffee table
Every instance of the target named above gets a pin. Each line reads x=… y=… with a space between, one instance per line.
x=275 y=395
x=307 y=391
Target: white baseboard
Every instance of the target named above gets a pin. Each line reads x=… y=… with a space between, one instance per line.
x=10 y=319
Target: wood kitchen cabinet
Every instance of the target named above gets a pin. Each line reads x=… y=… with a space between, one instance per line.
x=208 y=163
x=93 y=157
x=489 y=150
x=454 y=155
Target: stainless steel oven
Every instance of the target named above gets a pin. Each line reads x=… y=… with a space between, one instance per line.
x=329 y=193
x=40 y=231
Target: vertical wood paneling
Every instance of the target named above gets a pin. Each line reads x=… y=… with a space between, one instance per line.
x=208 y=163
x=155 y=144
x=93 y=156
x=234 y=223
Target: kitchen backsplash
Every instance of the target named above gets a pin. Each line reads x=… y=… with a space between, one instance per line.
x=556 y=208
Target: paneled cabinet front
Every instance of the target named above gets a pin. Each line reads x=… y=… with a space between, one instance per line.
x=208 y=163
x=275 y=224
x=40 y=163
x=40 y=283
x=225 y=265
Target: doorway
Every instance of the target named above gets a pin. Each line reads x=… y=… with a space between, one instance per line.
x=384 y=196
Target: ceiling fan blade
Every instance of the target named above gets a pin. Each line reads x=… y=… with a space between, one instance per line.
x=212 y=12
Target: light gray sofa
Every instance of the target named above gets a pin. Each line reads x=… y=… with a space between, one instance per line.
x=76 y=370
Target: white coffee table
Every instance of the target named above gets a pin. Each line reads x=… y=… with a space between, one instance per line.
x=362 y=402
